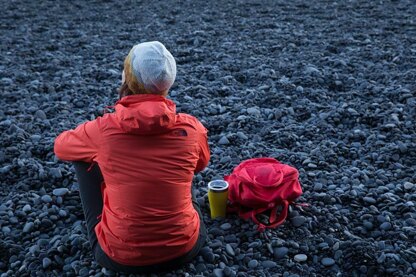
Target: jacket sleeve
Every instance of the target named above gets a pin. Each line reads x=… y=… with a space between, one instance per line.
x=204 y=154
x=80 y=144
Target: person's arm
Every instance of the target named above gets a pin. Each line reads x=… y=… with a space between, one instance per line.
x=204 y=154
x=80 y=144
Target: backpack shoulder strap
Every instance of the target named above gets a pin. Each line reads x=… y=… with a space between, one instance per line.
x=274 y=222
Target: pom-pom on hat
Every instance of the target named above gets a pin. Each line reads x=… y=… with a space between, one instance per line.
x=149 y=68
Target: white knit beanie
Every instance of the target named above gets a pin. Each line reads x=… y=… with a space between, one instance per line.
x=153 y=66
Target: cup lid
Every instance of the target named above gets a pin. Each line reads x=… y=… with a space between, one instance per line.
x=218 y=185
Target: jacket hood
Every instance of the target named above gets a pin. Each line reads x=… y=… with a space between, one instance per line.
x=145 y=114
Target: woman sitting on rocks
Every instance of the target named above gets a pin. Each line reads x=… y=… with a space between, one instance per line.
x=135 y=168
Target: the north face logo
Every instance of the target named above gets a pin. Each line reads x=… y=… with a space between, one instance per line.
x=180 y=133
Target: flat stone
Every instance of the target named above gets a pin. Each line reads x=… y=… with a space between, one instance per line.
x=26 y=208
x=298 y=221
x=253 y=264
x=280 y=252
x=207 y=254
x=218 y=272
x=60 y=191
x=224 y=140
x=28 y=227
x=229 y=249
x=300 y=258
x=242 y=136
x=46 y=262
x=369 y=200
x=317 y=187
x=46 y=198
x=56 y=173
x=328 y=261
x=268 y=264
x=40 y=114
x=226 y=226
x=385 y=226
x=6 y=230
x=253 y=111
x=408 y=186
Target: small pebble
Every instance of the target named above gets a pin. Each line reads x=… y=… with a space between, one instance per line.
x=300 y=258
x=280 y=252
x=46 y=262
x=229 y=249
x=298 y=221
x=328 y=261
x=385 y=226
x=253 y=264
x=60 y=191
x=26 y=208
x=28 y=227
x=268 y=264
x=226 y=226
x=46 y=198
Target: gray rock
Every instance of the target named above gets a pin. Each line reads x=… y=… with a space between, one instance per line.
x=369 y=200
x=218 y=272
x=225 y=159
x=299 y=89
x=229 y=249
x=6 y=229
x=223 y=140
x=253 y=111
x=385 y=226
x=40 y=114
x=55 y=172
x=60 y=191
x=328 y=261
x=381 y=258
x=28 y=227
x=242 y=136
x=26 y=208
x=253 y=264
x=408 y=186
x=300 y=257
x=207 y=254
x=46 y=262
x=268 y=264
x=280 y=252
x=226 y=226
x=298 y=221
x=317 y=187
x=46 y=198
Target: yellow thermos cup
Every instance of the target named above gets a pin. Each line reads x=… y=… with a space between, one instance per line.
x=217 y=197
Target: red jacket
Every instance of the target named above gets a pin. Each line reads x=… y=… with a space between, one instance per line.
x=148 y=155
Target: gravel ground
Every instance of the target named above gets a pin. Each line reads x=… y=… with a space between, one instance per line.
x=324 y=86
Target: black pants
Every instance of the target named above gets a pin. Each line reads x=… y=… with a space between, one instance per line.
x=92 y=202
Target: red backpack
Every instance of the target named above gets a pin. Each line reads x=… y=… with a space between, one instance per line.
x=262 y=184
